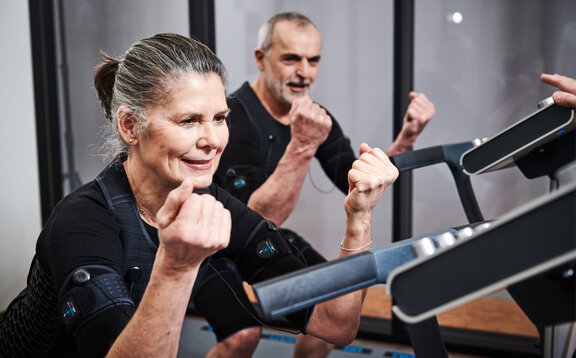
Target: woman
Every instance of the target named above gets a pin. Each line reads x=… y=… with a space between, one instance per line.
x=117 y=260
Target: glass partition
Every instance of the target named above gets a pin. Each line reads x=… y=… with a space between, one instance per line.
x=480 y=62
x=354 y=84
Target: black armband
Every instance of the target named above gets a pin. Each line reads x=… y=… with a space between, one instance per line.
x=265 y=247
x=267 y=254
x=90 y=290
x=242 y=180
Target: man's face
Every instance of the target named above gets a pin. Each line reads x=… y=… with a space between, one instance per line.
x=290 y=67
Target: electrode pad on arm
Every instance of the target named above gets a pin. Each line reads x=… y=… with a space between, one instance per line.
x=88 y=291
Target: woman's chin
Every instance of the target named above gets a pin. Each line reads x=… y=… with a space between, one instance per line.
x=202 y=183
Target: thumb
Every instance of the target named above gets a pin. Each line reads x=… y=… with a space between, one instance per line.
x=364 y=148
x=171 y=207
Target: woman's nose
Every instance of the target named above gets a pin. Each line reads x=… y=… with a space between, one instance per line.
x=208 y=137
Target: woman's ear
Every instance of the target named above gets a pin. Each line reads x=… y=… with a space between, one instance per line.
x=126 y=125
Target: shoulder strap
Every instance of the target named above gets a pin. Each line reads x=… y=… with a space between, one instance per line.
x=274 y=136
x=139 y=249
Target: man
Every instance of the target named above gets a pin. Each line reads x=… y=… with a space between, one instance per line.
x=276 y=131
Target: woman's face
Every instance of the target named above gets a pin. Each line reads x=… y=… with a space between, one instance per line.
x=187 y=134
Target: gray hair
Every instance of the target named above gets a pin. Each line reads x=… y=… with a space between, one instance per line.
x=142 y=80
x=265 y=32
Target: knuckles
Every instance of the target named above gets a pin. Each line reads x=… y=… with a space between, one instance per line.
x=374 y=172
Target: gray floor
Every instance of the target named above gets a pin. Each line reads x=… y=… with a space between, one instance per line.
x=197 y=339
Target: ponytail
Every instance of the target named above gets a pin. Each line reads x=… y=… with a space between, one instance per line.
x=104 y=78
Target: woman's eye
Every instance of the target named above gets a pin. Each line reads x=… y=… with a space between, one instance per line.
x=189 y=121
x=220 y=119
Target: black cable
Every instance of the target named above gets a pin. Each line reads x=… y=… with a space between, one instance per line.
x=343 y=141
x=246 y=308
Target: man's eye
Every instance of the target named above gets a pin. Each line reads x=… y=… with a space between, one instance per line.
x=290 y=60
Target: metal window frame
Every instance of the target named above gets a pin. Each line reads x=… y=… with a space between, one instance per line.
x=41 y=13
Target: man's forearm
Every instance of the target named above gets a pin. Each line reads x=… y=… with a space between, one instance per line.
x=403 y=143
x=277 y=197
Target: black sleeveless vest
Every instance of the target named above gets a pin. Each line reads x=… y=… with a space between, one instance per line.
x=273 y=135
x=139 y=249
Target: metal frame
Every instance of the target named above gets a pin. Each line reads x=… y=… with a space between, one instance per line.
x=403 y=84
x=46 y=104
x=202 y=22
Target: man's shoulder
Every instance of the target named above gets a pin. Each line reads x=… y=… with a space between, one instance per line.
x=237 y=99
x=242 y=92
x=246 y=108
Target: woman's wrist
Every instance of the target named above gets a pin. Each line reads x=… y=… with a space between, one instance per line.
x=357 y=234
x=368 y=246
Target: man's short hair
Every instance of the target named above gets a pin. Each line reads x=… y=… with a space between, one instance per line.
x=265 y=32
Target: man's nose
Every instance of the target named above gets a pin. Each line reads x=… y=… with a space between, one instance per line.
x=303 y=68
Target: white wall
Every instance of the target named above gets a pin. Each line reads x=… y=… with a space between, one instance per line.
x=19 y=184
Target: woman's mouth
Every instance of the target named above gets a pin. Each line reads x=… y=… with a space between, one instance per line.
x=198 y=164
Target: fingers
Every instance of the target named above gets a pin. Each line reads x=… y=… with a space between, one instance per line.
x=296 y=106
x=420 y=109
x=563 y=83
x=299 y=106
x=373 y=153
x=373 y=166
x=207 y=219
x=548 y=78
x=305 y=108
x=310 y=124
x=564 y=99
x=364 y=148
x=192 y=227
x=371 y=174
x=352 y=178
